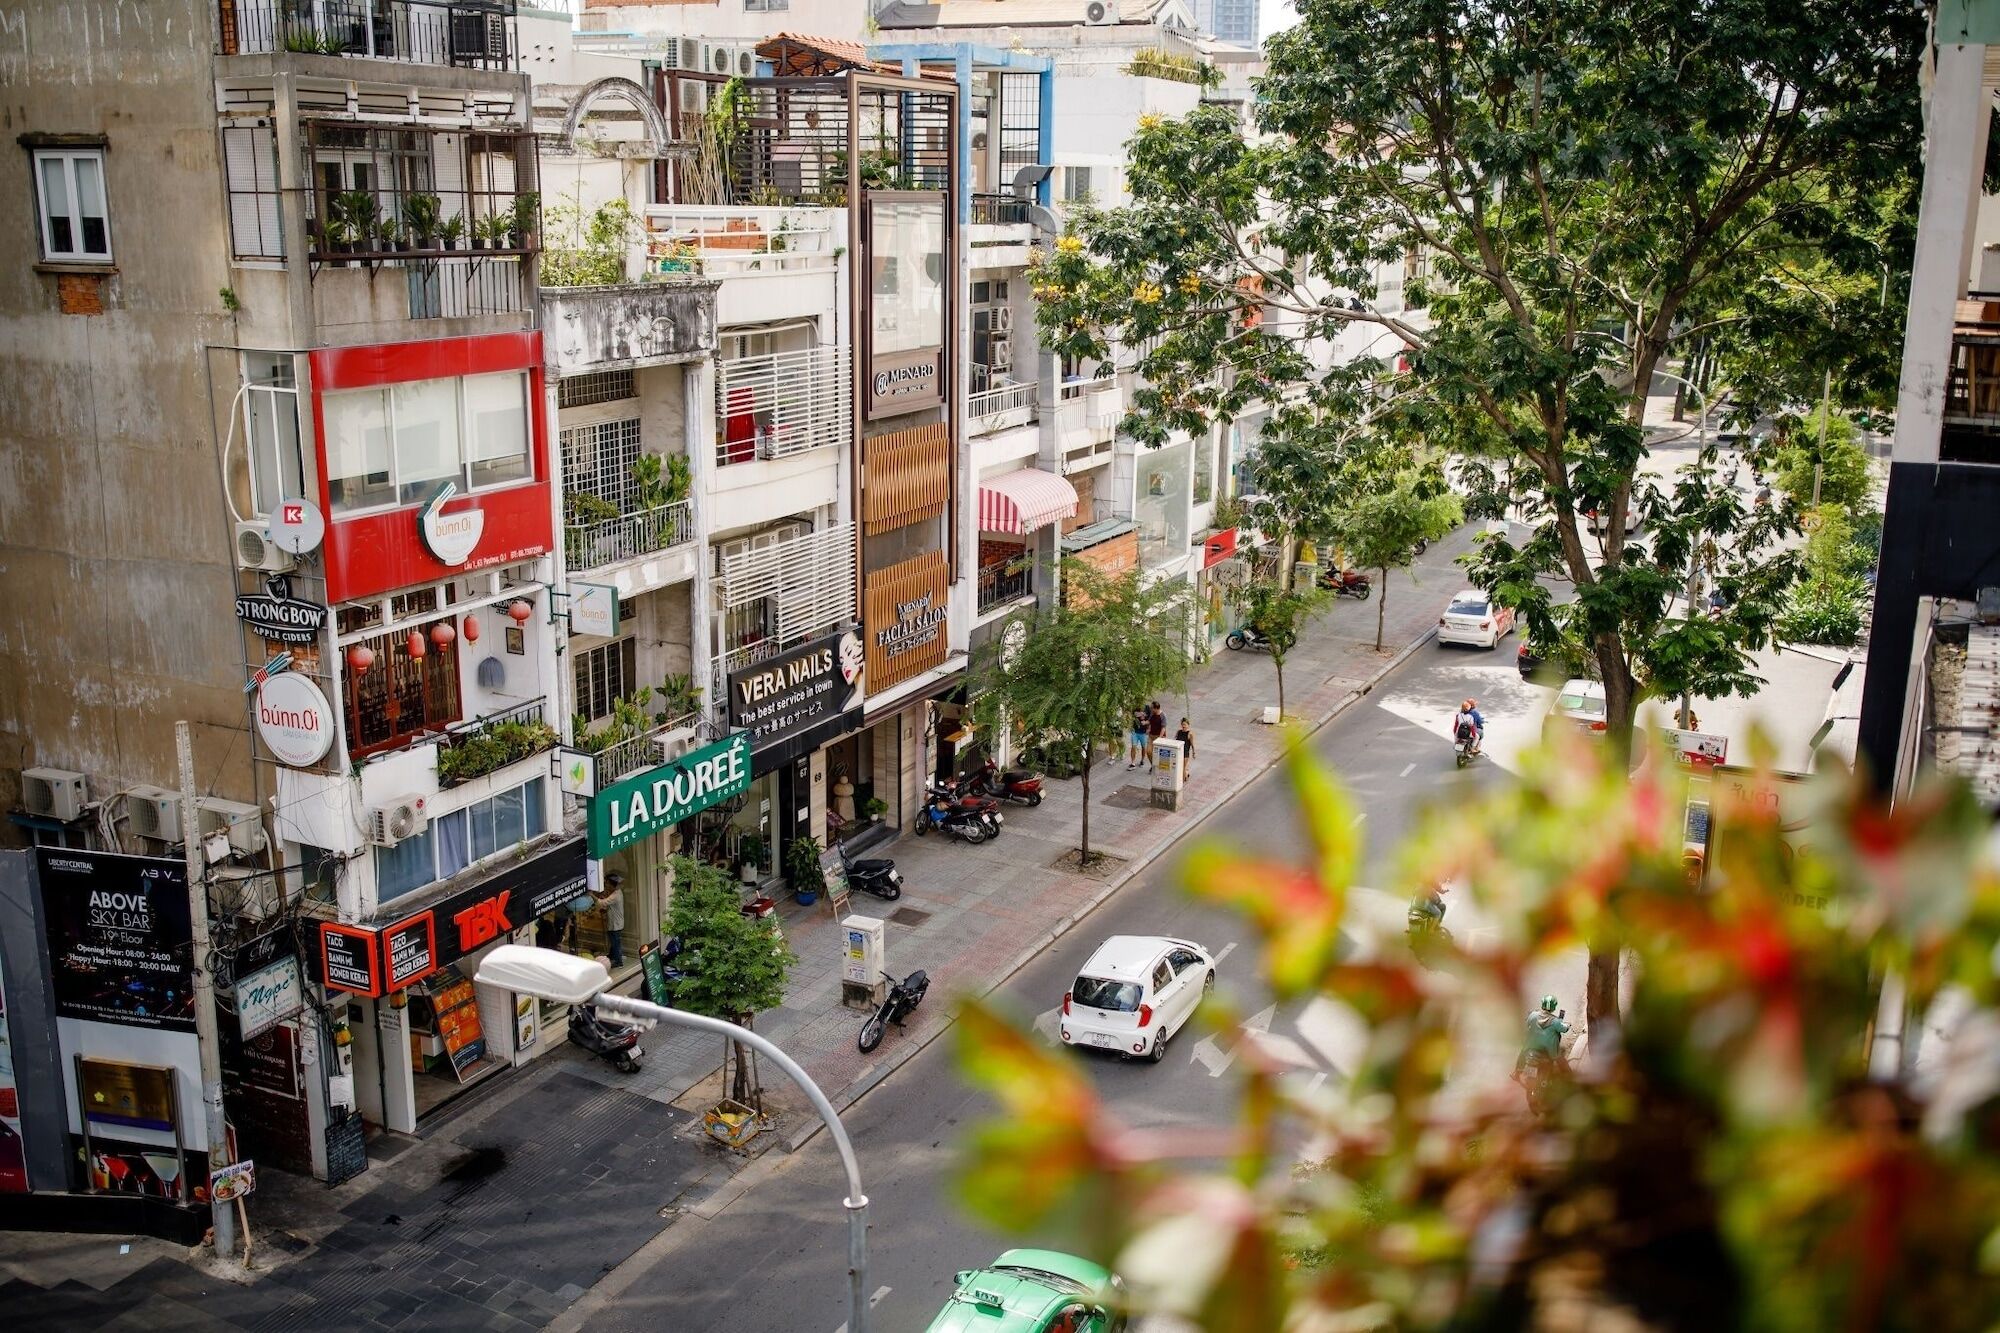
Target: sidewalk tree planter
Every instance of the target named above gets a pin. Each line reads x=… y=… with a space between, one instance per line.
x=736 y=965
x=1079 y=669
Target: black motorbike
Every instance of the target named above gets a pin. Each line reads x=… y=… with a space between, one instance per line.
x=1426 y=929
x=967 y=824
x=959 y=796
x=877 y=875
x=616 y=1042
x=903 y=998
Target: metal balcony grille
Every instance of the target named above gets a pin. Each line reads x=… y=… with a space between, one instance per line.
x=477 y=34
x=782 y=404
x=602 y=386
x=808 y=579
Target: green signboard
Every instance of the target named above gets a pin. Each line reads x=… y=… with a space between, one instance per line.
x=645 y=803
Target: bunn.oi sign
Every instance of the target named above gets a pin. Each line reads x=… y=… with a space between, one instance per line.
x=659 y=798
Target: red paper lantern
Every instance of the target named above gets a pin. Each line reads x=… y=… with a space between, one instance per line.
x=415 y=644
x=472 y=629
x=520 y=612
x=442 y=634
x=360 y=657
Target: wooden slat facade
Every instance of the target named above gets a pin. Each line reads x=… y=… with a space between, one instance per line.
x=906 y=477
x=924 y=583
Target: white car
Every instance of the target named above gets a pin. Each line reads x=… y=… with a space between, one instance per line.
x=1600 y=522
x=1580 y=703
x=1135 y=993
x=1473 y=619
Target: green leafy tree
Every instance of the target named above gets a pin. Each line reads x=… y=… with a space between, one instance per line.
x=1571 y=196
x=1388 y=511
x=1729 y=1163
x=586 y=248
x=1279 y=614
x=1071 y=678
x=735 y=964
x=1845 y=475
x=1825 y=605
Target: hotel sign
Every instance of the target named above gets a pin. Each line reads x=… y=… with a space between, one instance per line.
x=659 y=798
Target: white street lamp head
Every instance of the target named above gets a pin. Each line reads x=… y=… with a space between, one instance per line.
x=543 y=973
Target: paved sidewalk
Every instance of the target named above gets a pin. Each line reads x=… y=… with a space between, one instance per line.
x=970 y=915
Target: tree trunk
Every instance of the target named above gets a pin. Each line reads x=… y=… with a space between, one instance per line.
x=1279 y=662
x=1083 y=852
x=1600 y=997
x=1381 y=605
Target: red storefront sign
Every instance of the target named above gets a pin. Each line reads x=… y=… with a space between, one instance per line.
x=374 y=553
x=1218 y=548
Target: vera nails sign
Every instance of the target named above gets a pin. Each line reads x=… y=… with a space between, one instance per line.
x=659 y=798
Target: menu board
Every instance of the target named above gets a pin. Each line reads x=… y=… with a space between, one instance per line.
x=458 y=1025
x=347 y=957
x=655 y=971
x=409 y=950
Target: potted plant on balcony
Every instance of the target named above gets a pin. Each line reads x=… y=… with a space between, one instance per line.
x=679 y=696
x=421 y=213
x=353 y=214
x=391 y=235
x=808 y=876
x=524 y=220
x=750 y=858
x=450 y=230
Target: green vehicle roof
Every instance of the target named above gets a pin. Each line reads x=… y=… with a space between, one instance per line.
x=1024 y=1298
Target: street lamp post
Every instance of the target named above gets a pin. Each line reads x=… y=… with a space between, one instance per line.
x=567 y=979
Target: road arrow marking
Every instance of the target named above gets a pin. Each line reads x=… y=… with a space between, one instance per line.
x=1224 y=952
x=873 y=1301
x=1048 y=1025
x=1334 y=1031
x=1212 y=1057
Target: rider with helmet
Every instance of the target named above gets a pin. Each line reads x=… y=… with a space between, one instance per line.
x=1544 y=1043
x=1468 y=716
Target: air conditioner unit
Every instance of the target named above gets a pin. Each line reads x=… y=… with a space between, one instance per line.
x=718 y=59
x=746 y=63
x=234 y=820
x=256 y=550
x=979 y=141
x=154 y=812
x=1003 y=318
x=401 y=819
x=1000 y=353
x=693 y=100
x=690 y=55
x=1099 y=13
x=54 y=793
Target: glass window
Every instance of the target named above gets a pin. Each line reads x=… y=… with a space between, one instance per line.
x=1102 y=993
x=359 y=465
x=426 y=423
x=907 y=281
x=1466 y=606
x=454 y=848
x=1163 y=976
x=404 y=868
x=604 y=675
x=271 y=425
x=496 y=423
x=69 y=187
x=497 y=824
x=534 y=822
x=1076 y=185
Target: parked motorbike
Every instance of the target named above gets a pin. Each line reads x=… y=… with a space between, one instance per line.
x=967 y=824
x=1016 y=784
x=1247 y=637
x=1347 y=583
x=957 y=800
x=1465 y=746
x=1541 y=1077
x=617 y=1043
x=903 y=998
x=878 y=875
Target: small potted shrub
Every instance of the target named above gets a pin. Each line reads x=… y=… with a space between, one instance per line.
x=497 y=230
x=803 y=865
x=525 y=219
x=875 y=807
x=449 y=231
x=750 y=858
x=420 y=218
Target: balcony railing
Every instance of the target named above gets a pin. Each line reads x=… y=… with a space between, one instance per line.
x=1002 y=398
x=485 y=744
x=470 y=34
x=998 y=210
x=782 y=404
x=1005 y=581
x=639 y=752
x=1074 y=389
x=725 y=242
x=594 y=545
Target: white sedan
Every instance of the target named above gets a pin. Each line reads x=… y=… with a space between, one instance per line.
x=1135 y=993
x=1474 y=620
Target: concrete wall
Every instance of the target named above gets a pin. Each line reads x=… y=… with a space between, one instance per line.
x=115 y=561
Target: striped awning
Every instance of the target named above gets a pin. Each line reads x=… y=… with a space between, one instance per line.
x=1023 y=501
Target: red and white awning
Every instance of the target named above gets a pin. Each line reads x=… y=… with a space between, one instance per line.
x=1023 y=501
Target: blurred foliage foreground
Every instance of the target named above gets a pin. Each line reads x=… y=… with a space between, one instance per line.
x=1725 y=1162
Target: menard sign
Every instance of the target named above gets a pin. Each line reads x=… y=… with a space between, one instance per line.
x=661 y=797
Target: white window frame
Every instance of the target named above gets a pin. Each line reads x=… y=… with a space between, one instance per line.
x=44 y=219
x=465 y=459
x=277 y=400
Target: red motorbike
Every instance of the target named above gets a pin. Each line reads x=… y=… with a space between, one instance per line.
x=1016 y=784
x=1346 y=583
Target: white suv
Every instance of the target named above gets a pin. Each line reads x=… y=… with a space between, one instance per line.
x=1136 y=992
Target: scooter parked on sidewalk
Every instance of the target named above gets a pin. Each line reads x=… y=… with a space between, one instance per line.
x=1347 y=583
x=1247 y=637
x=877 y=875
x=967 y=824
x=1016 y=784
x=617 y=1043
x=903 y=998
x=958 y=801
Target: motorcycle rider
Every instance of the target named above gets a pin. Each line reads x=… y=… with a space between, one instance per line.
x=1544 y=1040
x=1427 y=912
x=1468 y=715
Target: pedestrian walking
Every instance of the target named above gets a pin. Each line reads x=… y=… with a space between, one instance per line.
x=1156 y=727
x=1186 y=737
x=613 y=902
x=1135 y=739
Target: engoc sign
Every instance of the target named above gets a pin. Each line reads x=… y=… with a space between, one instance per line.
x=294 y=719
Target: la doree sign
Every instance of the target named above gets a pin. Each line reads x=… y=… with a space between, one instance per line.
x=647 y=802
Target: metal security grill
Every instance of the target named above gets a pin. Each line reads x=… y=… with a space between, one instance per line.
x=1020 y=124
x=808 y=579
x=602 y=386
x=597 y=460
x=782 y=404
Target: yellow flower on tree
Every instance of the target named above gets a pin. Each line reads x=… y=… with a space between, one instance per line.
x=1147 y=293
x=1069 y=245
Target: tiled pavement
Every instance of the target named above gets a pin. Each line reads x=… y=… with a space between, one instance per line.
x=512 y=1207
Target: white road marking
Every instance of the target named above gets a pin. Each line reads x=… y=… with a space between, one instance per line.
x=873 y=1301
x=1224 y=952
x=1048 y=1024
x=1408 y=769
x=1210 y=1055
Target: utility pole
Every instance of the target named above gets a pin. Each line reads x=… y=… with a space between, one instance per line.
x=206 y=1036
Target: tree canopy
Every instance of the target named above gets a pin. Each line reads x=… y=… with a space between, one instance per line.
x=1388 y=506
